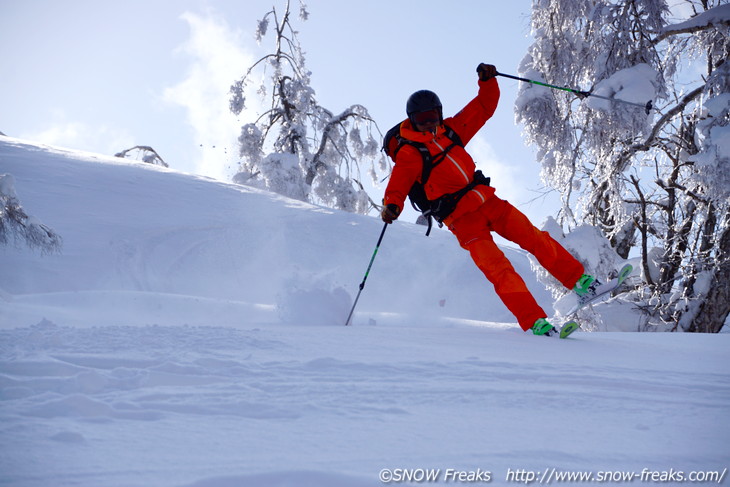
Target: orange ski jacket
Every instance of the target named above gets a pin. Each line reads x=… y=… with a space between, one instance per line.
x=457 y=169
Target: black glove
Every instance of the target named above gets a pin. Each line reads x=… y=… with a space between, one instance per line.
x=390 y=213
x=486 y=71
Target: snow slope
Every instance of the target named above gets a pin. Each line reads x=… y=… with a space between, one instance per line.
x=191 y=334
x=138 y=237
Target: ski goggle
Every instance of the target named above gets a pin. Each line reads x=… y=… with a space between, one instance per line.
x=426 y=117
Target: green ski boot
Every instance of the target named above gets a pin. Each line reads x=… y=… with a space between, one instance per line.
x=543 y=327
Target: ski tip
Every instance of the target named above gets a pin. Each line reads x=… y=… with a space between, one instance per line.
x=568 y=328
x=625 y=272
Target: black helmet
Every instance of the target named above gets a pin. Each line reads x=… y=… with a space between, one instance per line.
x=423 y=101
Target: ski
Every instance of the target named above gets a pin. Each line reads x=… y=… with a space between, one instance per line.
x=604 y=289
x=568 y=328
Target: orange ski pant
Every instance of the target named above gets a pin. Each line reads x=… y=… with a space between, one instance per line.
x=474 y=232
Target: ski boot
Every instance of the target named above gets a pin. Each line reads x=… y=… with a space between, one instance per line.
x=587 y=288
x=543 y=327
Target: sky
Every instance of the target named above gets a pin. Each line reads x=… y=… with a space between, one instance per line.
x=105 y=76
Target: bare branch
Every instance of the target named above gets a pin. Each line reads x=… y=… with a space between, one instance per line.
x=149 y=155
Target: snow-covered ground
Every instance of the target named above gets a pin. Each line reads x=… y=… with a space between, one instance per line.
x=191 y=333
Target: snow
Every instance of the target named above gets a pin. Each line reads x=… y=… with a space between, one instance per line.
x=191 y=334
x=7 y=186
x=713 y=139
x=720 y=135
x=635 y=84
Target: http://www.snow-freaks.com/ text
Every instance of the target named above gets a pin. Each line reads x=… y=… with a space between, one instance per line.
x=547 y=476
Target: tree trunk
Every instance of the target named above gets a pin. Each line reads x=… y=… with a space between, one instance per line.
x=715 y=307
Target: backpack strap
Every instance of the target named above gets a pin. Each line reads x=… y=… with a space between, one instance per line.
x=429 y=161
x=434 y=161
x=453 y=136
x=443 y=206
x=440 y=208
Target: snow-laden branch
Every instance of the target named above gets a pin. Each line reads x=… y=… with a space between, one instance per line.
x=659 y=125
x=709 y=19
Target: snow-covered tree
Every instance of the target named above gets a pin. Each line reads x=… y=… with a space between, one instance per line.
x=144 y=153
x=656 y=184
x=297 y=147
x=17 y=225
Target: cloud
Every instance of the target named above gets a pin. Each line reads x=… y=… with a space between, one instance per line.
x=503 y=174
x=514 y=181
x=81 y=136
x=217 y=60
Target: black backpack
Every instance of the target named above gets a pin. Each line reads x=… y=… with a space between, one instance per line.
x=444 y=205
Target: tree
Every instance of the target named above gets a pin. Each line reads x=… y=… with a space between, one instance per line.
x=16 y=224
x=145 y=153
x=655 y=184
x=297 y=147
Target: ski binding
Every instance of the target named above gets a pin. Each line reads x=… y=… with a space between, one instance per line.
x=604 y=289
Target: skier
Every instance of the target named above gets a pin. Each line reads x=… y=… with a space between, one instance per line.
x=476 y=213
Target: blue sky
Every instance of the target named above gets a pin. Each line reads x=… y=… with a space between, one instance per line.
x=104 y=76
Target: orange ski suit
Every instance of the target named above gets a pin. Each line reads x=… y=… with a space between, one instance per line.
x=480 y=211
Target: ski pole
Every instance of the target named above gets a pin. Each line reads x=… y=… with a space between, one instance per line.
x=581 y=94
x=362 y=284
